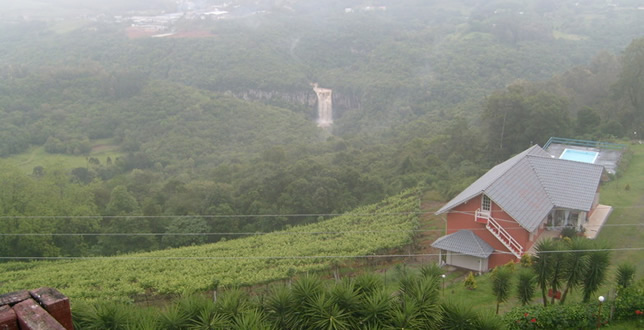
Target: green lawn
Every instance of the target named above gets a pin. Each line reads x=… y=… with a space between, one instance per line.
x=36 y=156
x=567 y=36
x=625 y=226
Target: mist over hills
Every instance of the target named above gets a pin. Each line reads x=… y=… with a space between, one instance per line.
x=211 y=110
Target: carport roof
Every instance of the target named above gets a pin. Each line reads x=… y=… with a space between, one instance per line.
x=464 y=242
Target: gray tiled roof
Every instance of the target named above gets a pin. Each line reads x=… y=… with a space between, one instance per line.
x=464 y=242
x=532 y=183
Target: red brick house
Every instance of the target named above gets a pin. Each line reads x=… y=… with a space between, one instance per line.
x=501 y=215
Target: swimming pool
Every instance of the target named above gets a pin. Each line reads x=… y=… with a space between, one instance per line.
x=580 y=155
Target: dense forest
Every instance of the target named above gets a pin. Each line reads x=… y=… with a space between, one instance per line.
x=426 y=94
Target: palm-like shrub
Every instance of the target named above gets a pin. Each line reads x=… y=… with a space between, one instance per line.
x=485 y=321
x=305 y=291
x=193 y=305
x=323 y=313
x=405 y=314
x=525 y=286
x=624 y=275
x=458 y=316
x=423 y=292
x=432 y=270
x=108 y=316
x=146 y=319
x=501 y=277
x=233 y=303
x=375 y=307
x=280 y=308
x=598 y=262
x=575 y=264
x=558 y=265
x=251 y=320
x=543 y=265
x=346 y=296
x=174 y=318
x=368 y=283
x=211 y=320
x=307 y=288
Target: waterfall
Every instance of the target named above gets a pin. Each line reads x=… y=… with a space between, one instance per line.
x=325 y=106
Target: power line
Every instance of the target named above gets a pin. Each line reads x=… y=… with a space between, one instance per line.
x=259 y=215
x=283 y=232
x=410 y=255
x=206 y=215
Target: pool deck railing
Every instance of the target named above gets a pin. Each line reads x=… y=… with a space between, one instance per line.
x=584 y=143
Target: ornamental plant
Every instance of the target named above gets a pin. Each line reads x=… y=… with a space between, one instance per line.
x=629 y=303
x=569 y=316
x=470 y=281
x=624 y=275
x=526 y=260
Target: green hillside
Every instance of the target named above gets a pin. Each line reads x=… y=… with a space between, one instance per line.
x=246 y=261
x=140 y=134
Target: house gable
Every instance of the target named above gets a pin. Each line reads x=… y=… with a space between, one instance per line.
x=462 y=217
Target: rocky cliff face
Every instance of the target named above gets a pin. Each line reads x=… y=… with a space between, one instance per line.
x=341 y=102
x=303 y=98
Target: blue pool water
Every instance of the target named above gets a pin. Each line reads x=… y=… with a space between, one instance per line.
x=579 y=155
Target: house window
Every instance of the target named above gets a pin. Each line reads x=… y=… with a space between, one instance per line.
x=486 y=204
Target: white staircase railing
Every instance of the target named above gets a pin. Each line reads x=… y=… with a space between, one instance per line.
x=481 y=217
x=504 y=237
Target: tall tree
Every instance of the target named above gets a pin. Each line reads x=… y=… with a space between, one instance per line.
x=504 y=118
x=630 y=85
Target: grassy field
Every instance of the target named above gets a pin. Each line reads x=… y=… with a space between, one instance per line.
x=625 y=227
x=568 y=36
x=36 y=156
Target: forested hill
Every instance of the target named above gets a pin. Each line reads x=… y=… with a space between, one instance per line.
x=65 y=109
x=389 y=66
x=218 y=116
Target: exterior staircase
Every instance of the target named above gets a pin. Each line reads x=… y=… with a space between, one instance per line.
x=499 y=232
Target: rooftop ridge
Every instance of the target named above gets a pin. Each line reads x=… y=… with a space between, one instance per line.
x=502 y=167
